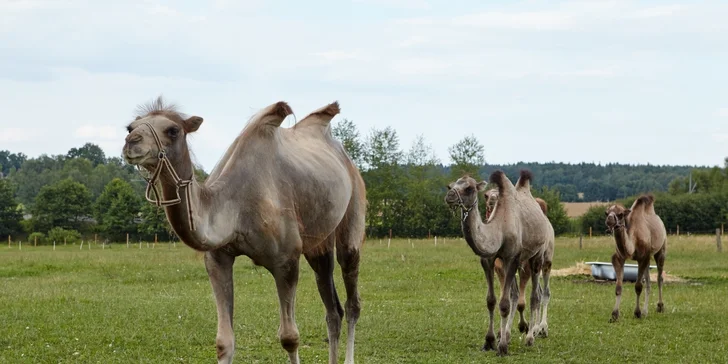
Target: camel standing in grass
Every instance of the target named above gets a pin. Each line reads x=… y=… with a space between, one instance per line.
x=524 y=273
x=276 y=194
x=516 y=231
x=639 y=233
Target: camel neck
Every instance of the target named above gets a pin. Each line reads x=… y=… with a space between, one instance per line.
x=625 y=247
x=481 y=237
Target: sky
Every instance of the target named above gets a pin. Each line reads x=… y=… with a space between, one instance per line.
x=579 y=81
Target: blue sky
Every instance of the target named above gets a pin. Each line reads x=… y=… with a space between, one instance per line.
x=595 y=81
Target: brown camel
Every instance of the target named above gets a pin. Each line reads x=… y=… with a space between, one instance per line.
x=524 y=271
x=516 y=231
x=639 y=233
x=276 y=193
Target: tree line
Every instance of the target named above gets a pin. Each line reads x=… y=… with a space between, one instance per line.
x=85 y=192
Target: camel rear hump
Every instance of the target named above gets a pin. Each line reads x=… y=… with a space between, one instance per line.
x=321 y=117
x=524 y=181
x=505 y=187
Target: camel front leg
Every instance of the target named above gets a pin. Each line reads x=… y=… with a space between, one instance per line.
x=618 y=264
x=535 y=265
x=487 y=265
x=507 y=312
x=219 y=268
x=660 y=260
x=524 y=275
x=286 y=277
x=642 y=267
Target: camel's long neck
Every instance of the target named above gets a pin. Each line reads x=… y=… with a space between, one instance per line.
x=483 y=238
x=178 y=214
x=625 y=245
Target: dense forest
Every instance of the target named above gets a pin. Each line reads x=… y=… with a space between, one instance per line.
x=83 y=192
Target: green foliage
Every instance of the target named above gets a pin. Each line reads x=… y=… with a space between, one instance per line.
x=10 y=162
x=345 y=131
x=384 y=180
x=467 y=155
x=116 y=209
x=89 y=151
x=37 y=237
x=153 y=221
x=10 y=215
x=60 y=235
x=65 y=204
x=556 y=213
x=594 y=218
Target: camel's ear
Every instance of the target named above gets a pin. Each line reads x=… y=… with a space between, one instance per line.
x=449 y=187
x=192 y=124
x=481 y=186
x=137 y=118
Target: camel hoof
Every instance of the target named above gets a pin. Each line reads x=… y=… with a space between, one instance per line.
x=660 y=307
x=522 y=327
x=489 y=343
x=543 y=331
x=502 y=349
x=637 y=314
x=529 y=340
x=615 y=316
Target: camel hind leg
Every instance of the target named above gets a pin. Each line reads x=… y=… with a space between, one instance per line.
x=323 y=265
x=488 y=268
x=350 y=237
x=642 y=266
x=660 y=260
x=524 y=274
x=535 y=264
x=543 y=327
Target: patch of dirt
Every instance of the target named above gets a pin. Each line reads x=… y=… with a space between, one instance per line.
x=582 y=268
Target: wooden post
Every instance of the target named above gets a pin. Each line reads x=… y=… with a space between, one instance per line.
x=64 y=241
x=54 y=245
x=429 y=235
x=9 y=237
x=581 y=236
x=127 y=240
x=410 y=241
x=20 y=245
x=717 y=238
x=36 y=241
x=81 y=247
x=678 y=230
x=590 y=232
x=140 y=243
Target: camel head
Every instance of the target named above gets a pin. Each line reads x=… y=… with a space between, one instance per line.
x=463 y=193
x=158 y=130
x=616 y=216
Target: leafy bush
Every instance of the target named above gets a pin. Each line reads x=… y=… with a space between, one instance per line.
x=58 y=235
x=37 y=237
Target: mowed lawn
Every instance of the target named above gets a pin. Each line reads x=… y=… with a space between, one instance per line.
x=420 y=305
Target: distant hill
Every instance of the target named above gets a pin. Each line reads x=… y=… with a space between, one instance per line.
x=587 y=182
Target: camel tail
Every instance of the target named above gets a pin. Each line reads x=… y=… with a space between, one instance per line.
x=543 y=205
x=525 y=179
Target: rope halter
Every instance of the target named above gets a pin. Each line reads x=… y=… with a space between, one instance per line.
x=461 y=205
x=178 y=182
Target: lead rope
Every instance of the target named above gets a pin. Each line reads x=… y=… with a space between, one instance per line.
x=152 y=182
x=465 y=211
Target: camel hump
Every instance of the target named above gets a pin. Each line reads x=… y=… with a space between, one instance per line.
x=543 y=205
x=271 y=116
x=645 y=201
x=504 y=184
x=322 y=116
x=524 y=181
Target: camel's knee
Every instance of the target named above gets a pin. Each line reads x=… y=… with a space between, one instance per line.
x=505 y=307
x=289 y=340
x=353 y=308
x=638 y=287
x=521 y=306
x=491 y=303
x=618 y=290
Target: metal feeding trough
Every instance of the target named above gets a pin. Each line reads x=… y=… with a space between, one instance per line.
x=602 y=270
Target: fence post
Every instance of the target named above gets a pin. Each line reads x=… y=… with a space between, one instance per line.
x=721 y=229
x=64 y=241
x=717 y=238
x=54 y=245
x=590 y=232
x=127 y=240
x=678 y=230
x=9 y=237
x=36 y=241
x=581 y=236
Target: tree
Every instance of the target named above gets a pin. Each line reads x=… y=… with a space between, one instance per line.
x=10 y=214
x=90 y=151
x=383 y=179
x=153 y=221
x=556 y=213
x=10 y=161
x=65 y=204
x=116 y=209
x=423 y=197
x=345 y=131
x=467 y=155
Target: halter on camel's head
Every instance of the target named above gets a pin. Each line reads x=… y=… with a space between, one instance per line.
x=463 y=194
x=616 y=217
x=149 y=150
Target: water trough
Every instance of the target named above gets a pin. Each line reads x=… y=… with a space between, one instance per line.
x=603 y=270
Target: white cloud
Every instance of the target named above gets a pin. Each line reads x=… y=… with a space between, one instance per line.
x=17 y=135
x=99 y=132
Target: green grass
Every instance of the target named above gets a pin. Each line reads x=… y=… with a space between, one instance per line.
x=420 y=305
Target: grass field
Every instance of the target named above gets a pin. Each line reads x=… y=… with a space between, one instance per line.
x=420 y=305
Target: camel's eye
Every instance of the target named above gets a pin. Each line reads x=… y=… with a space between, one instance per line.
x=173 y=132
x=129 y=128
x=469 y=189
